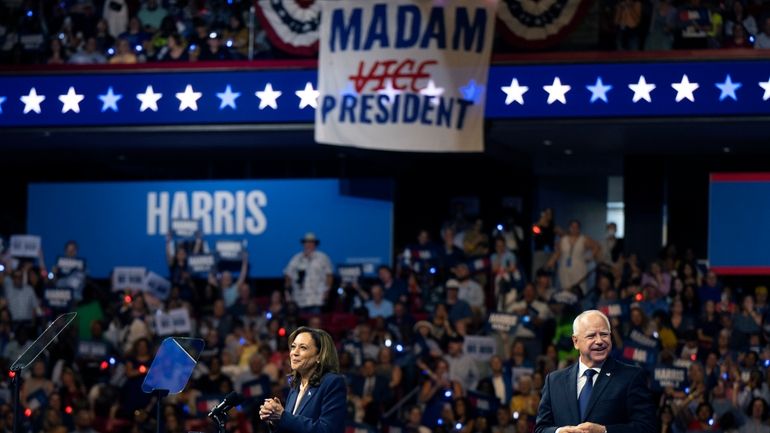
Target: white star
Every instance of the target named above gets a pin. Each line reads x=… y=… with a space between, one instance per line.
x=71 y=101
x=642 y=90
x=599 y=90
x=432 y=92
x=684 y=89
x=728 y=89
x=763 y=84
x=228 y=98
x=149 y=99
x=32 y=101
x=2 y=99
x=514 y=92
x=188 y=99
x=110 y=100
x=389 y=91
x=307 y=96
x=557 y=91
x=268 y=97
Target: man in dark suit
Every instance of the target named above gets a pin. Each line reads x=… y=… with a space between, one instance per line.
x=597 y=394
x=373 y=390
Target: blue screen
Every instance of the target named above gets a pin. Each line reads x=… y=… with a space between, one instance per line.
x=125 y=223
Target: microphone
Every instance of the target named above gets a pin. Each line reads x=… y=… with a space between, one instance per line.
x=231 y=400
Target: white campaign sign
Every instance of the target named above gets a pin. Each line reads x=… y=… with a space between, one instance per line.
x=480 y=348
x=24 y=246
x=128 y=278
x=176 y=321
x=404 y=74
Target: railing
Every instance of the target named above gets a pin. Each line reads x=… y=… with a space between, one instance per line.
x=399 y=404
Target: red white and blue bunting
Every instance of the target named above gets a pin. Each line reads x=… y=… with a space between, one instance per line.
x=291 y=25
x=536 y=24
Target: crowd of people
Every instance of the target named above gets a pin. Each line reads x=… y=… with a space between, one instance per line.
x=458 y=336
x=128 y=31
x=655 y=25
x=136 y=31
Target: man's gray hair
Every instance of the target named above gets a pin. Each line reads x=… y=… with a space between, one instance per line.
x=576 y=323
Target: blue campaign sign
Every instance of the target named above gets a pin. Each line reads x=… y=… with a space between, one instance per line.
x=125 y=223
x=202 y=97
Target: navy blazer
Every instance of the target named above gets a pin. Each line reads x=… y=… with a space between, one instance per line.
x=322 y=409
x=620 y=400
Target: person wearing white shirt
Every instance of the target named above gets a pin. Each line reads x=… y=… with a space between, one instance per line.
x=309 y=275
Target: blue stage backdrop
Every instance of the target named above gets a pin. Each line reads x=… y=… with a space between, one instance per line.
x=125 y=223
x=739 y=209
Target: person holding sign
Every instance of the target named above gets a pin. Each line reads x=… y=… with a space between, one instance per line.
x=597 y=394
x=318 y=394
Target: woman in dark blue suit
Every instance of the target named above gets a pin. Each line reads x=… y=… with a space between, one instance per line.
x=317 y=392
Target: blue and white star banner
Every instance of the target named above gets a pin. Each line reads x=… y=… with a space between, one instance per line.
x=158 y=98
x=215 y=97
x=404 y=75
x=693 y=89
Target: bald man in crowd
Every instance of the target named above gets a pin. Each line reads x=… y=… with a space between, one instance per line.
x=597 y=394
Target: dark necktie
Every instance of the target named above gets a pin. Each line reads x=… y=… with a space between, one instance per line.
x=585 y=393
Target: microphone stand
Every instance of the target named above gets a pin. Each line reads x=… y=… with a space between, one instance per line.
x=220 y=417
x=159 y=394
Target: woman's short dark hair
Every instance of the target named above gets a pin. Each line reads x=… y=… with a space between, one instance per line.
x=328 y=362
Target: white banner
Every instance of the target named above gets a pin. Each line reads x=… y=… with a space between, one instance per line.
x=404 y=75
x=24 y=246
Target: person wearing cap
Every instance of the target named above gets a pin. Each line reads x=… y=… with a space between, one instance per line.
x=308 y=276
x=426 y=348
x=458 y=308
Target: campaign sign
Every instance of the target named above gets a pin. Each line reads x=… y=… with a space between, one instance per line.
x=642 y=340
x=128 y=278
x=517 y=372
x=503 y=322
x=349 y=274
x=184 y=228
x=157 y=285
x=92 y=349
x=201 y=263
x=67 y=265
x=646 y=356
x=271 y=214
x=480 y=348
x=403 y=75
x=666 y=376
x=229 y=250
x=24 y=246
x=174 y=322
x=58 y=298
